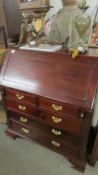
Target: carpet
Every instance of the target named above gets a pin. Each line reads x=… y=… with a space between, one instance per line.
x=22 y=157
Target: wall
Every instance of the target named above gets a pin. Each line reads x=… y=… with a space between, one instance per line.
x=92 y=3
x=57 y=4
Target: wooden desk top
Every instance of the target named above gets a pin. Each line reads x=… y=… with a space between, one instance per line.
x=52 y=75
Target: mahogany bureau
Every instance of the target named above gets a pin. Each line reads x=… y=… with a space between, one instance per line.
x=49 y=98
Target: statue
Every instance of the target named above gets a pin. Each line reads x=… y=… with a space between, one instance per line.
x=29 y=32
x=64 y=25
x=64 y=30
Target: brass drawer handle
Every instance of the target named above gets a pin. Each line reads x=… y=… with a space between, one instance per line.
x=21 y=107
x=56 y=144
x=23 y=120
x=26 y=131
x=57 y=107
x=19 y=97
x=56 y=119
x=56 y=132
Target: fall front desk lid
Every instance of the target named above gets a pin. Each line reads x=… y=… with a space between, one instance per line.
x=52 y=75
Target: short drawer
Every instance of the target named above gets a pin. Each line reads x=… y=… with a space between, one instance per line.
x=37 y=134
x=20 y=107
x=59 y=107
x=20 y=96
x=22 y=118
x=72 y=125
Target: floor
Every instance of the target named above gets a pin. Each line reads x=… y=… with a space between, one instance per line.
x=22 y=157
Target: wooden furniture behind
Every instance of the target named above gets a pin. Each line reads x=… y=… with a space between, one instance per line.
x=2 y=30
x=2 y=15
x=49 y=98
x=25 y=4
x=12 y=15
x=38 y=6
x=94 y=151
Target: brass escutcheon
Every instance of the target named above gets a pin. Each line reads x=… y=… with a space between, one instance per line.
x=19 y=96
x=56 y=144
x=56 y=119
x=56 y=132
x=26 y=131
x=21 y=107
x=57 y=107
x=23 y=120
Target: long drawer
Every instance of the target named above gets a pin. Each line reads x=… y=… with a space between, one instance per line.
x=65 y=137
x=40 y=136
x=66 y=123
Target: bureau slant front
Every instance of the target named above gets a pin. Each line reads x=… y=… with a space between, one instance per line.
x=49 y=98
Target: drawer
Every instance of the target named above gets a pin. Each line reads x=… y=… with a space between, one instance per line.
x=37 y=134
x=59 y=107
x=56 y=133
x=20 y=107
x=72 y=125
x=22 y=118
x=20 y=96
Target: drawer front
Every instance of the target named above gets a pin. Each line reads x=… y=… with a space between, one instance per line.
x=54 y=132
x=20 y=96
x=20 y=107
x=69 y=124
x=22 y=118
x=58 y=107
x=37 y=134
